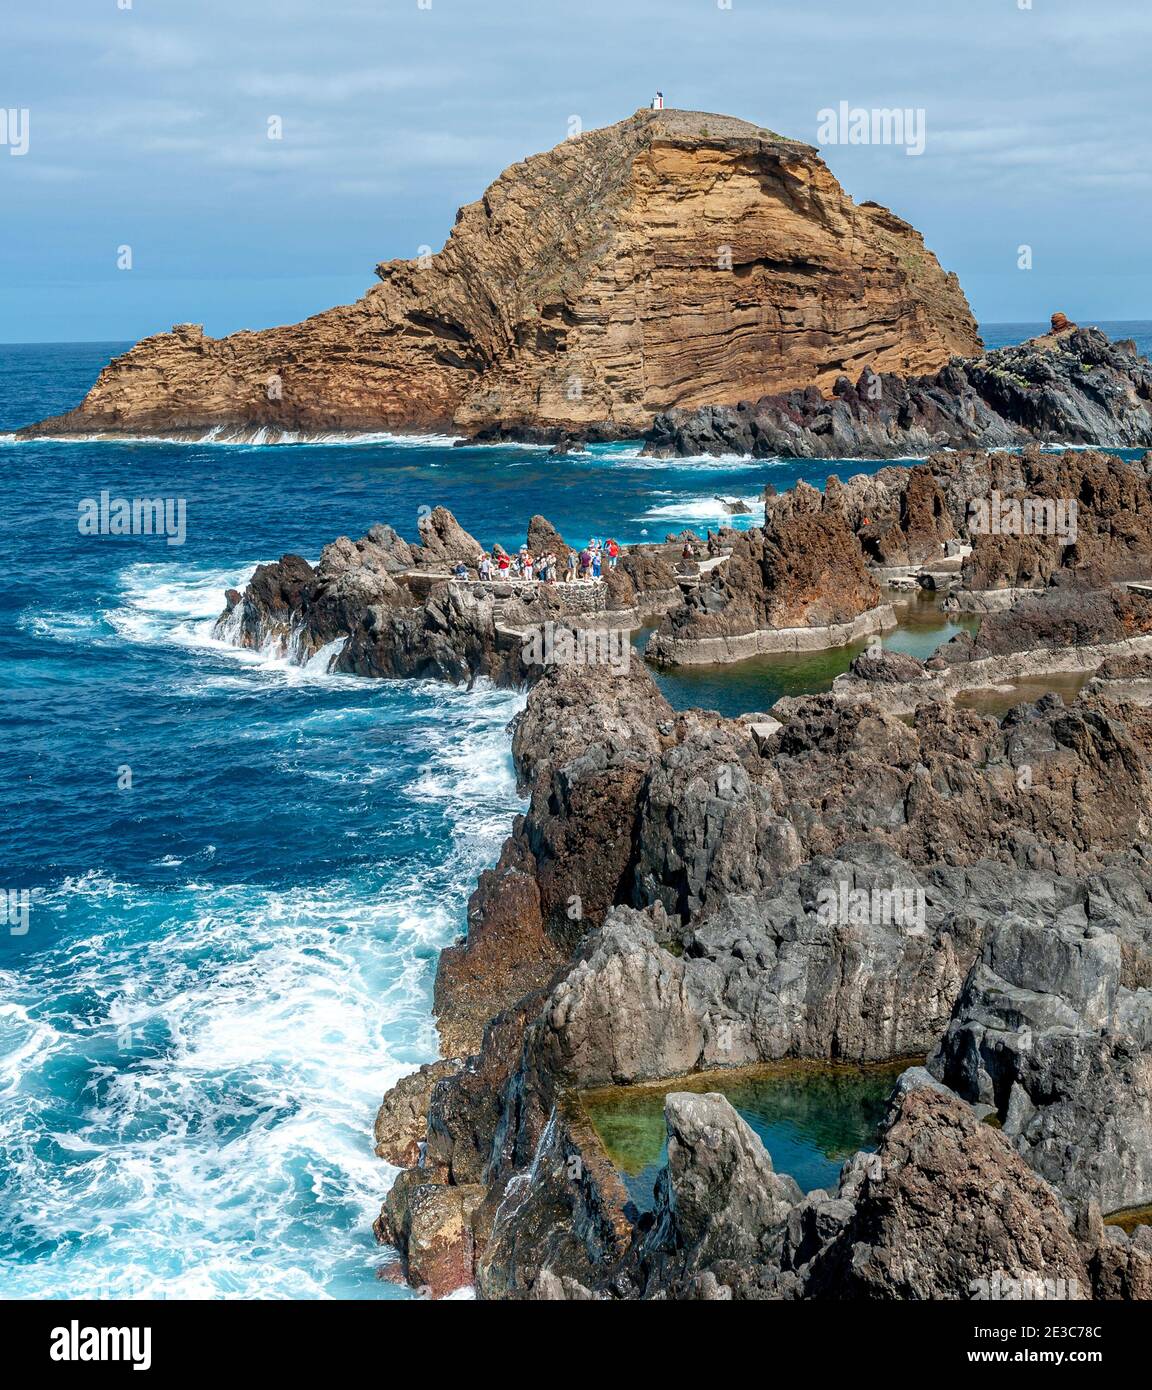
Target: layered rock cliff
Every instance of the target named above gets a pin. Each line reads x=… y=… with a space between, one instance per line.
x=673 y=259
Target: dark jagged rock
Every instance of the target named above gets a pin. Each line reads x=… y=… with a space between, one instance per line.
x=444 y=542
x=544 y=537
x=1119 y=1263
x=565 y=1227
x=856 y=958
x=720 y=1206
x=688 y=892
x=583 y=745
x=899 y=516
x=507 y=952
x=1045 y=1033
x=744 y=967
x=945 y=1208
x=887 y=668
x=387 y=608
x=1082 y=512
x=1073 y=386
x=1062 y=618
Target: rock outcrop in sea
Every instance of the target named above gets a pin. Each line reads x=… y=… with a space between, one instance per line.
x=675 y=259
x=873 y=874
x=1070 y=386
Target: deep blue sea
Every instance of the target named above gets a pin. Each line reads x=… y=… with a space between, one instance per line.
x=240 y=872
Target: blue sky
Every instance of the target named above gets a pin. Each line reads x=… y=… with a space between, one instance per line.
x=148 y=128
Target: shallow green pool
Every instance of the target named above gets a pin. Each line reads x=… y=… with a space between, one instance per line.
x=754 y=686
x=810 y=1119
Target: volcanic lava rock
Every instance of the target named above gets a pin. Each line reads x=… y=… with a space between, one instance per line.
x=1072 y=386
x=1045 y=1032
x=803 y=569
x=945 y=1208
x=720 y=1206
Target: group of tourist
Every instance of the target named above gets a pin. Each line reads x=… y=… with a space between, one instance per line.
x=585 y=565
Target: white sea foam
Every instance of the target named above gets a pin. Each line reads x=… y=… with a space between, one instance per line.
x=705 y=509
x=695 y=463
x=232 y=1045
x=60 y=627
x=180 y=605
x=261 y=438
x=222 y=1047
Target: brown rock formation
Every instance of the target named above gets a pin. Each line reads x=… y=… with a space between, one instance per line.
x=919 y=1230
x=673 y=259
x=803 y=569
x=431 y=1226
x=403 y=1115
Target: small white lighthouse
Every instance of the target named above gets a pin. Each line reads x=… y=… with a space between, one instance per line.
x=658 y=102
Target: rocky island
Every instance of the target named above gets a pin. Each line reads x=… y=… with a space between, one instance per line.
x=681 y=277
x=870 y=875
x=673 y=260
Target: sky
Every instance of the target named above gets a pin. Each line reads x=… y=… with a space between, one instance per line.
x=148 y=128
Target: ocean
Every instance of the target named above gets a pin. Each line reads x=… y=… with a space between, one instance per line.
x=239 y=873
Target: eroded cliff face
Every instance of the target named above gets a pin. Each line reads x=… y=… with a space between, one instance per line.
x=672 y=260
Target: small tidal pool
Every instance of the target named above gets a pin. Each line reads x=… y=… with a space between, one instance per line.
x=999 y=699
x=754 y=686
x=810 y=1117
